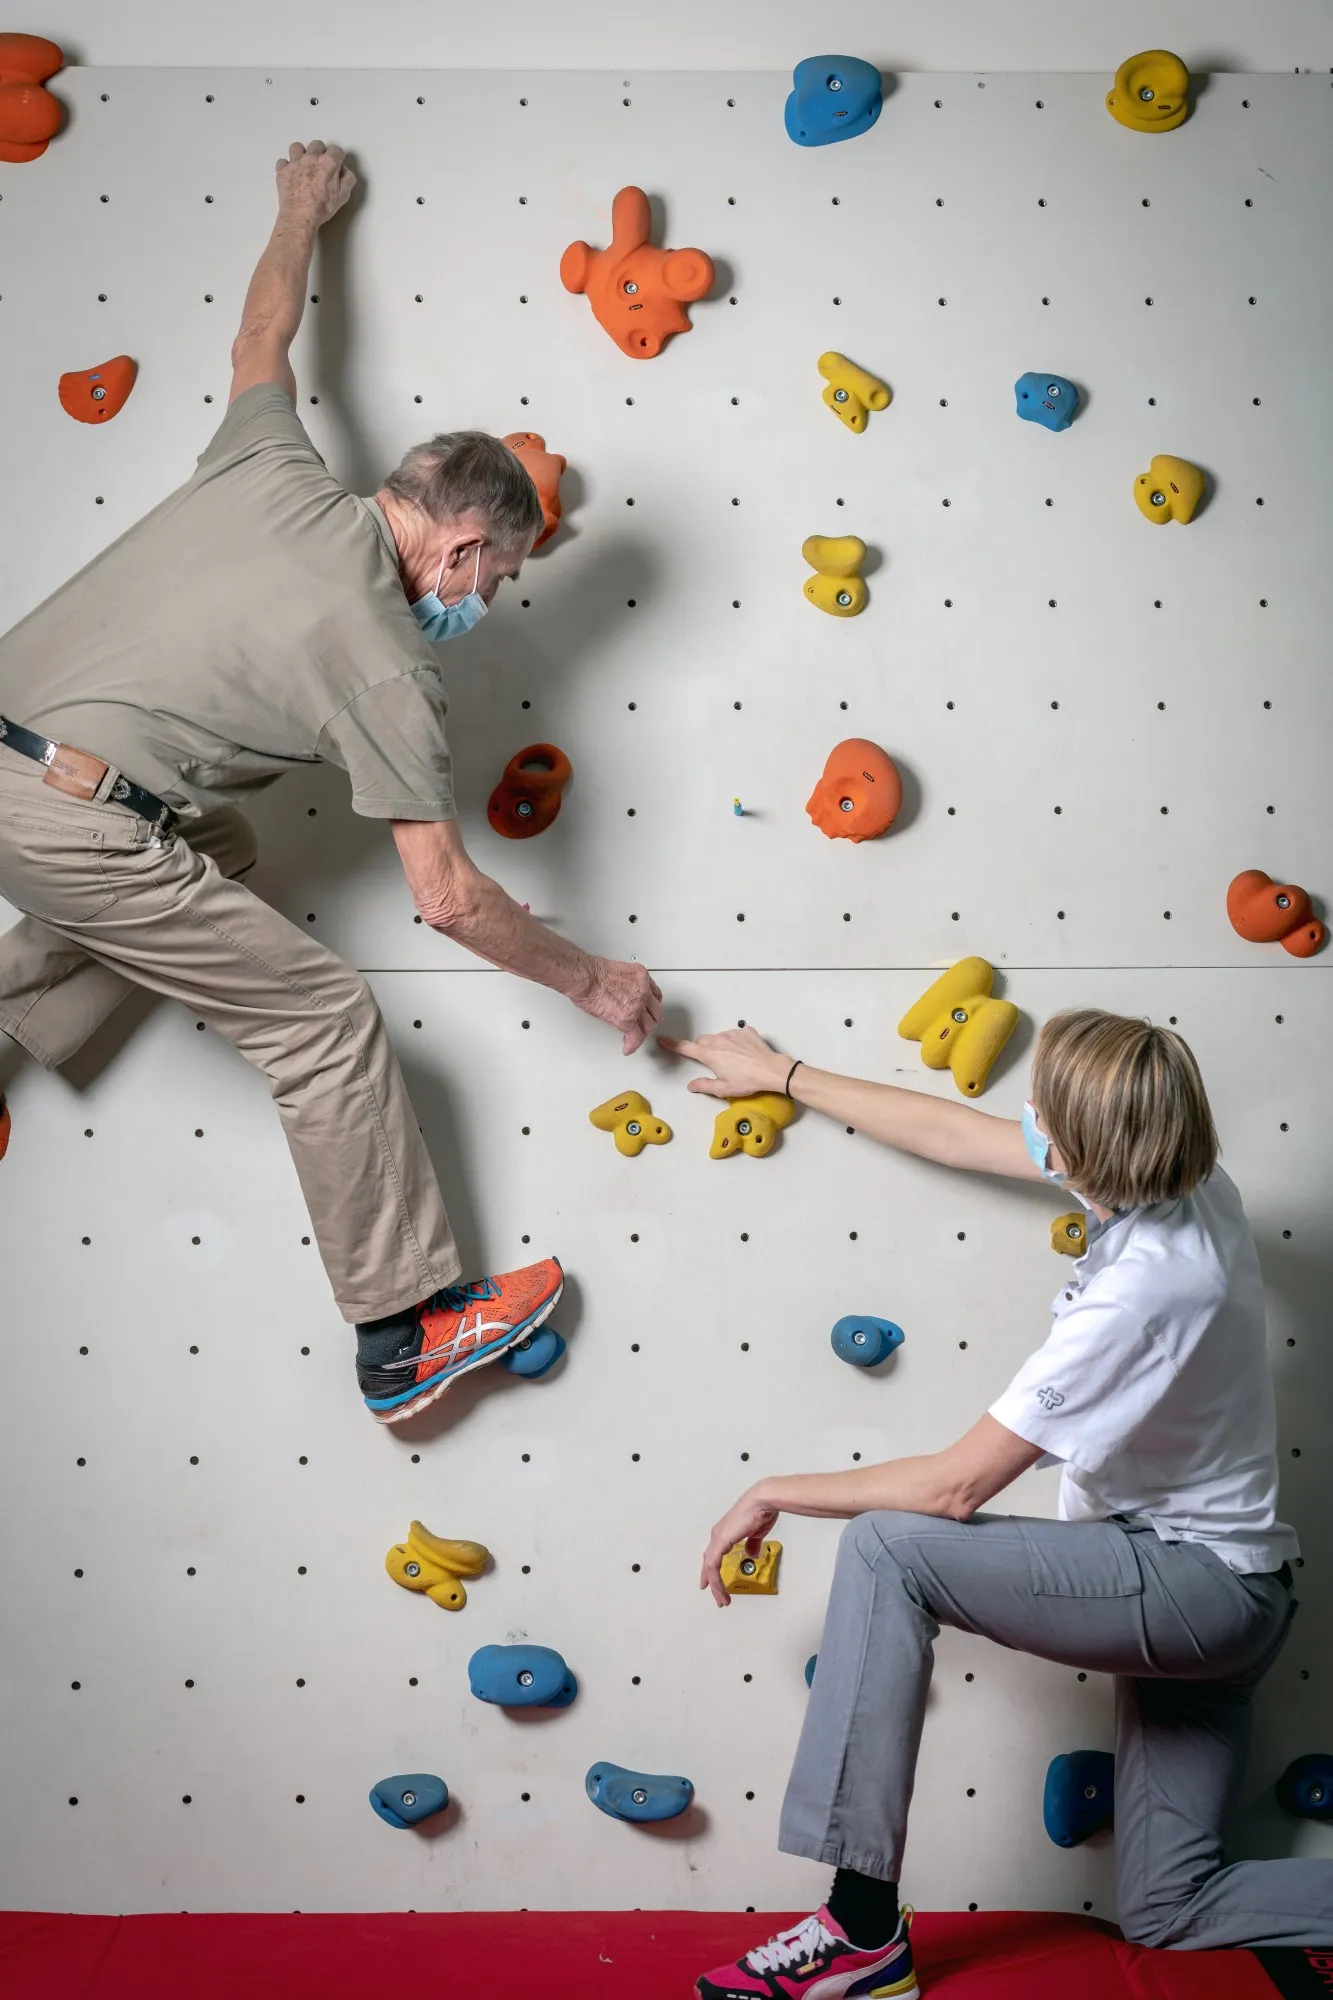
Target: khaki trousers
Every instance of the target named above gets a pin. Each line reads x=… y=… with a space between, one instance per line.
x=109 y=907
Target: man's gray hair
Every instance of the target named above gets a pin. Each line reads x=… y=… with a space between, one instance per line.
x=461 y=473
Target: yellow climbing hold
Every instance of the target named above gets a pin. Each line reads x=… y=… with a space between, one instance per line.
x=851 y=393
x=1169 y=490
x=630 y=1119
x=1151 y=92
x=426 y=1563
x=836 y=588
x=1069 y=1233
x=959 y=1026
x=752 y=1576
x=750 y=1125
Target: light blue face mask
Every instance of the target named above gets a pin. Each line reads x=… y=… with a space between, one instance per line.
x=1039 y=1145
x=450 y=621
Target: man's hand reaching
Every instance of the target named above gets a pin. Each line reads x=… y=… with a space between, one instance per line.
x=625 y=996
x=314 y=182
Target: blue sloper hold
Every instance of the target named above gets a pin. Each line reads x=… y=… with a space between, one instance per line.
x=863 y=1341
x=1306 y=1787
x=1080 y=1795
x=521 y=1677
x=810 y=1666
x=534 y=1355
x=404 y=1802
x=636 y=1795
x=835 y=97
x=1051 y=400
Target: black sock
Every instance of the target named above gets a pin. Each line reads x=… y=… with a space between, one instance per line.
x=866 y=1909
x=380 y=1340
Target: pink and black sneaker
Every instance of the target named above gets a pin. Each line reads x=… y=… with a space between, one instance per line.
x=816 y=1960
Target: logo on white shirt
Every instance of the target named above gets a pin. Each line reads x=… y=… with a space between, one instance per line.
x=1050 y=1399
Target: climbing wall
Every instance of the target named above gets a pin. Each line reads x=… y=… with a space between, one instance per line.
x=1097 y=727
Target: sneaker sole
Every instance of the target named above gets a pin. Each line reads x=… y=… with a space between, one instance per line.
x=434 y=1390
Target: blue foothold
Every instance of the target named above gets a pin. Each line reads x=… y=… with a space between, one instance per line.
x=863 y=1341
x=810 y=1666
x=635 y=1795
x=1080 y=1796
x=1051 y=400
x=1306 y=1787
x=535 y=1355
x=834 y=97
x=521 y=1677
x=405 y=1801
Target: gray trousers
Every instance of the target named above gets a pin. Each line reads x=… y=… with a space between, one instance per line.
x=1188 y=1641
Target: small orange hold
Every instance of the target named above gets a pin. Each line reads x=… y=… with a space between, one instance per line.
x=543 y=468
x=859 y=796
x=29 y=116
x=1267 y=912
x=528 y=796
x=636 y=291
x=95 y=395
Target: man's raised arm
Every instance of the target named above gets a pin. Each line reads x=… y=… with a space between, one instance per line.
x=314 y=181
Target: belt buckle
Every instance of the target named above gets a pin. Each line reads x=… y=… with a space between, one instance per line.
x=75 y=772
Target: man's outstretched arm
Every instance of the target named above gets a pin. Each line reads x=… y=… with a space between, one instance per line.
x=313 y=183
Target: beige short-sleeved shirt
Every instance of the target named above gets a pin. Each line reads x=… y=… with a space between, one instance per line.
x=253 y=622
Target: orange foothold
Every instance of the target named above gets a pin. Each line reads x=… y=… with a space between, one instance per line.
x=860 y=793
x=95 y=395
x=528 y=796
x=1263 y=911
x=29 y=116
x=636 y=291
x=543 y=468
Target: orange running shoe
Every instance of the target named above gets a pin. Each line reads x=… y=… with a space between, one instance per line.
x=456 y=1330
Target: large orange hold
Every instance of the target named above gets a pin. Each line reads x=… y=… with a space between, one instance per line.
x=543 y=468
x=1267 y=912
x=637 y=292
x=29 y=116
x=860 y=793
x=528 y=796
x=94 y=395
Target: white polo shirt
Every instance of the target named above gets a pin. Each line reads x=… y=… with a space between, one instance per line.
x=1153 y=1388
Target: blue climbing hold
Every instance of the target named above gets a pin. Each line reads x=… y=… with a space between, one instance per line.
x=521 y=1677
x=404 y=1802
x=863 y=1341
x=1080 y=1795
x=810 y=1666
x=1306 y=1787
x=535 y=1355
x=635 y=1795
x=1051 y=400
x=835 y=97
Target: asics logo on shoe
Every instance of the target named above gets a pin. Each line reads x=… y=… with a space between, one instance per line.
x=449 y=1351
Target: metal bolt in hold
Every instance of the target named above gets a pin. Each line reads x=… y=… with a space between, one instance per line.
x=844 y=597
x=409 y=1798
x=840 y=395
x=630 y=285
x=960 y=1013
x=749 y=1566
x=639 y=1796
x=524 y=809
x=99 y=394
x=744 y=1128
x=525 y=1678
x=1159 y=499
x=411 y=1569
x=634 y=1128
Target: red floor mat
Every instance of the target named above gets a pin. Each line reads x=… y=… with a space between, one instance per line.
x=598 y=1955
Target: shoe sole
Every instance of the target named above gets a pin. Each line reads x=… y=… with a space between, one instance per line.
x=434 y=1390
x=868 y=1988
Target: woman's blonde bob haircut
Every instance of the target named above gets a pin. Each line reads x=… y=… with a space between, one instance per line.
x=1124 y=1105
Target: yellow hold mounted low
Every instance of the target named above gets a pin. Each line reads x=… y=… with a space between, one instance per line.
x=426 y=1563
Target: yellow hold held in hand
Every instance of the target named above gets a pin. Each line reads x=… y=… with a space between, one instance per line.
x=435 y=1567
x=752 y=1576
x=1069 y=1233
x=630 y=1119
x=750 y=1125
x=959 y=1026
x=1170 y=490
x=851 y=393
x=1151 y=92
x=836 y=588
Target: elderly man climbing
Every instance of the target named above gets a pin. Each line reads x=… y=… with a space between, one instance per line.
x=259 y=619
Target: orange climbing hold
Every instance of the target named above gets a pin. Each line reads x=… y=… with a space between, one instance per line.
x=636 y=291
x=1267 y=912
x=543 y=468
x=29 y=116
x=860 y=793
x=95 y=395
x=528 y=796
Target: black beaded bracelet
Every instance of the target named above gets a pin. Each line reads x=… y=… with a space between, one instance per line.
x=786 y=1088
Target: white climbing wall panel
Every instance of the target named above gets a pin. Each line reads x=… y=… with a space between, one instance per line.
x=1097 y=725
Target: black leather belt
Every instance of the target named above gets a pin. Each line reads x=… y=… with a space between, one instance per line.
x=79 y=774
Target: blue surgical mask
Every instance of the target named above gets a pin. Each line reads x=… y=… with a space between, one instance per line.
x=1039 y=1145
x=450 y=621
